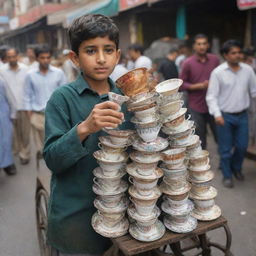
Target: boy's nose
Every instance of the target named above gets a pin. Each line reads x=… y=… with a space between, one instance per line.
x=101 y=57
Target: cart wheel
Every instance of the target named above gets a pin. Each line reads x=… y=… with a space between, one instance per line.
x=41 y=219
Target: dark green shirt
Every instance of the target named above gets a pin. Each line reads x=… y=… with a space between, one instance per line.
x=71 y=162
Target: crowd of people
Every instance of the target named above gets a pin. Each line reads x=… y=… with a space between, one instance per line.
x=69 y=119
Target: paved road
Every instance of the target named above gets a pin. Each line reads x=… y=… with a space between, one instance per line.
x=17 y=218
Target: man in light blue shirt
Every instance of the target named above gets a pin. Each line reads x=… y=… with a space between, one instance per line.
x=40 y=83
x=228 y=97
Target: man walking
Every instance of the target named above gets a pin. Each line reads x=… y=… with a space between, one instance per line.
x=14 y=74
x=40 y=84
x=195 y=74
x=228 y=97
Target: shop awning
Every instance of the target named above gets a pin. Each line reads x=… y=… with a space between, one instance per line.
x=106 y=7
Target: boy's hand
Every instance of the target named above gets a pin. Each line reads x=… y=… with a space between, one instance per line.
x=103 y=115
x=219 y=120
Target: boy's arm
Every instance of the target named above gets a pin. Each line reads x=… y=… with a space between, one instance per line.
x=65 y=145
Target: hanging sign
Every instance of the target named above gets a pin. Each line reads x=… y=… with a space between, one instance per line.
x=246 y=4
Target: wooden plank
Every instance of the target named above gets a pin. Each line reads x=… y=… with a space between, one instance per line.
x=130 y=246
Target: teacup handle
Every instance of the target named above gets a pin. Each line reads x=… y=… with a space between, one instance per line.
x=189 y=116
x=95 y=181
x=131 y=180
x=181 y=102
x=100 y=145
x=131 y=199
x=193 y=130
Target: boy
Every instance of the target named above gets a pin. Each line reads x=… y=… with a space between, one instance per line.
x=75 y=115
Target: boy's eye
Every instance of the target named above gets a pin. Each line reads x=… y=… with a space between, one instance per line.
x=109 y=50
x=90 y=51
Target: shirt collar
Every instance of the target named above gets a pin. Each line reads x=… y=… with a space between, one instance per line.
x=226 y=66
x=80 y=84
x=49 y=69
x=198 y=59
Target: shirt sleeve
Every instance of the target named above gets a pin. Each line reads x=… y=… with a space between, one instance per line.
x=252 y=84
x=28 y=94
x=62 y=147
x=212 y=95
x=184 y=75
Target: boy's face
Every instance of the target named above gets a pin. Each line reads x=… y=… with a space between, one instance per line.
x=97 y=58
x=44 y=60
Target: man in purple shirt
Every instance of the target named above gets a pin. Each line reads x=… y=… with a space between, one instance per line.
x=195 y=74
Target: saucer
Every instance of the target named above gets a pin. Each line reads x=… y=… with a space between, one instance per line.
x=132 y=170
x=167 y=191
x=212 y=214
x=211 y=193
x=155 y=146
x=99 y=155
x=97 y=172
x=122 y=188
x=142 y=99
x=134 y=214
x=120 y=229
x=122 y=206
x=138 y=157
x=155 y=193
x=167 y=209
x=154 y=118
x=189 y=226
x=157 y=233
x=105 y=140
x=208 y=176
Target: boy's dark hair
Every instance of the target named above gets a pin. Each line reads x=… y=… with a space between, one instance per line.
x=42 y=49
x=230 y=44
x=173 y=50
x=136 y=48
x=200 y=36
x=91 y=26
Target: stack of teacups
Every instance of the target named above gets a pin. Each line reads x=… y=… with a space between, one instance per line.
x=202 y=193
x=144 y=192
x=175 y=186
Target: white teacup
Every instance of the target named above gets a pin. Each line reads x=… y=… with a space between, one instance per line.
x=111 y=219
x=119 y=140
x=146 y=227
x=107 y=185
x=171 y=107
x=146 y=115
x=200 y=189
x=176 y=184
x=145 y=169
x=174 y=156
x=149 y=134
x=111 y=201
x=204 y=205
x=111 y=169
x=178 y=219
x=117 y=98
x=144 y=187
x=144 y=207
x=178 y=205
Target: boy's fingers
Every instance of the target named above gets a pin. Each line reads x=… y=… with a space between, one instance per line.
x=109 y=119
x=108 y=105
x=110 y=112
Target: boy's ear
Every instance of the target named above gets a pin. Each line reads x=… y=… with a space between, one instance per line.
x=74 y=58
x=118 y=55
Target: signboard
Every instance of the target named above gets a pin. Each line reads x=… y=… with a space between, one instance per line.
x=246 y=4
x=127 y=4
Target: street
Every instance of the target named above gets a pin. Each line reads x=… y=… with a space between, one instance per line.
x=17 y=212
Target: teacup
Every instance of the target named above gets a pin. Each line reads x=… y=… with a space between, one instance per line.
x=145 y=157
x=111 y=201
x=177 y=121
x=146 y=115
x=110 y=150
x=143 y=207
x=204 y=205
x=169 y=87
x=113 y=155
x=162 y=100
x=200 y=159
x=149 y=134
x=107 y=185
x=119 y=140
x=145 y=168
x=177 y=197
x=174 y=156
x=178 y=219
x=174 y=173
x=146 y=227
x=176 y=184
x=199 y=168
x=200 y=175
x=200 y=189
x=111 y=169
x=178 y=205
x=117 y=98
x=171 y=107
x=144 y=187
x=111 y=219
x=142 y=99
